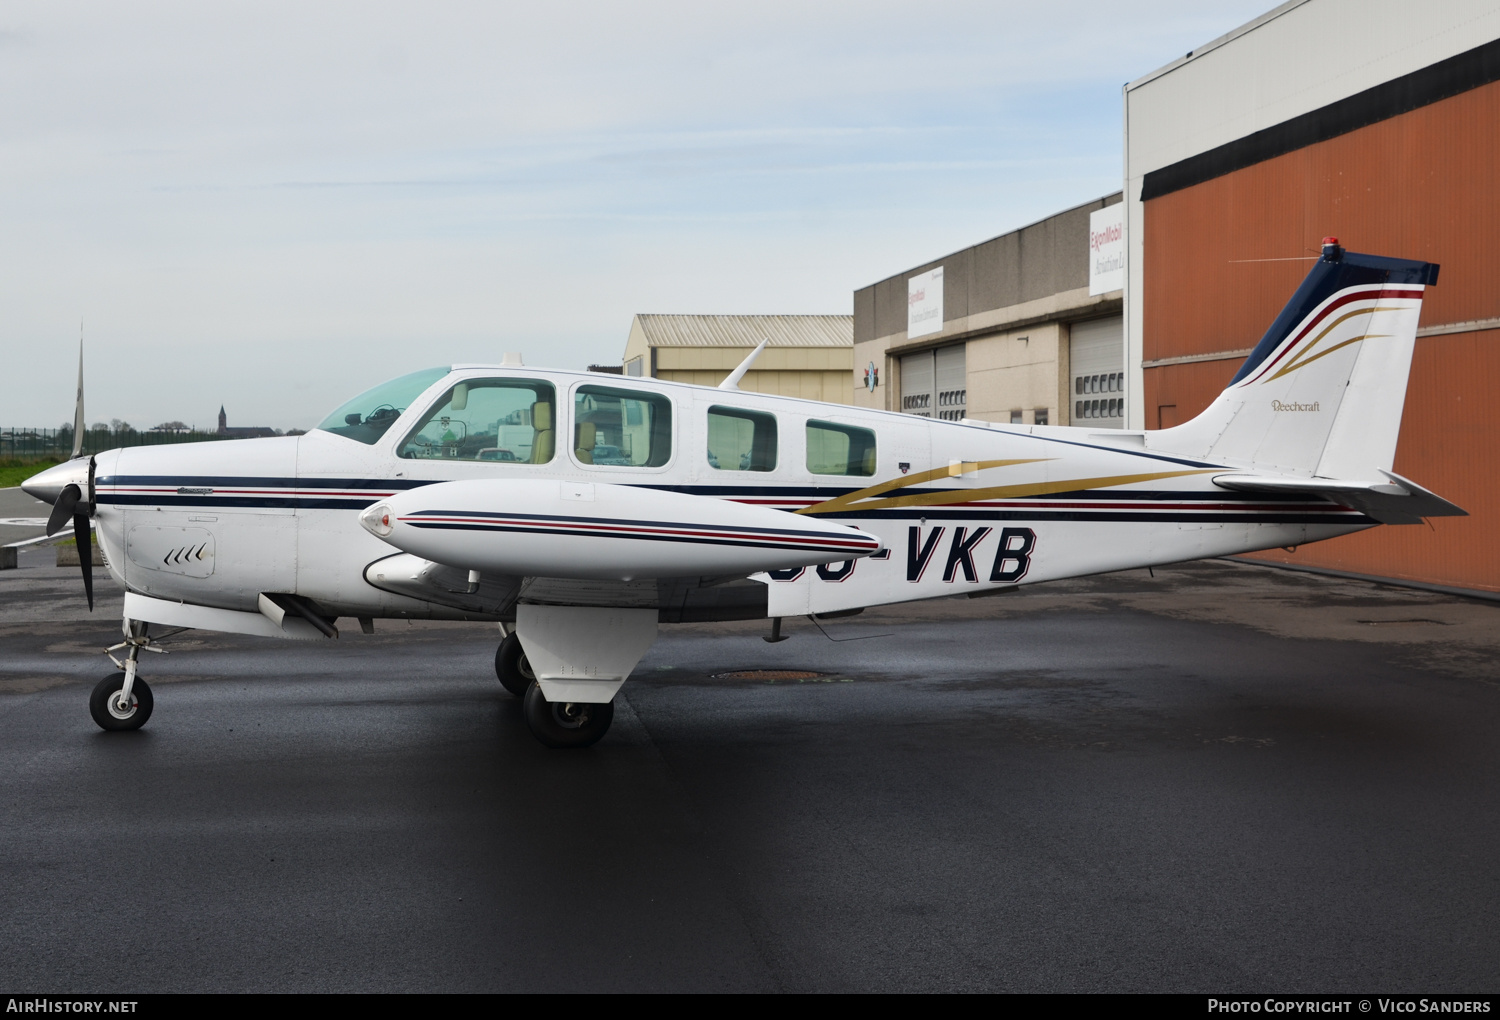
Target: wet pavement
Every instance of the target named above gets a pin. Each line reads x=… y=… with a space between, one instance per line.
x=1223 y=778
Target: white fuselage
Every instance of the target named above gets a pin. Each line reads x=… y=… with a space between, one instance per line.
x=956 y=507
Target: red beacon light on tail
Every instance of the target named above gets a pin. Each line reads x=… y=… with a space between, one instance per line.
x=1331 y=250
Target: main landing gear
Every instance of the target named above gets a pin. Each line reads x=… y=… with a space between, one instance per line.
x=512 y=668
x=566 y=723
x=573 y=662
x=554 y=723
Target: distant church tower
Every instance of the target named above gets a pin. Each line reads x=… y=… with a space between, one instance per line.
x=223 y=420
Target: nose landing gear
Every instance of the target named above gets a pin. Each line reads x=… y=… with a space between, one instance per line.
x=113 y=709
x=122 y=701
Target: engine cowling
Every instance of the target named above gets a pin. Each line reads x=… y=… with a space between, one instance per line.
x=602 y=531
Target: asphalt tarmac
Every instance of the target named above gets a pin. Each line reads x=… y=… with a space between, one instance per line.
x=1223 y=778
x=21 y=516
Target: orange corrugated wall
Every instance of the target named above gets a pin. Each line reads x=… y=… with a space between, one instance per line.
x=1422 y=185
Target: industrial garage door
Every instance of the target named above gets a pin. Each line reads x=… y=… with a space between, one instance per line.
x=1096 y=361
x=934 y=384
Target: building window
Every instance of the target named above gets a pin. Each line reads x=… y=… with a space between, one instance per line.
x=1016 y=416
x=1108 y=382
x=839 y=449
x=1039 y=416
x=621 y=428
x=741 y=440
x=951 y=404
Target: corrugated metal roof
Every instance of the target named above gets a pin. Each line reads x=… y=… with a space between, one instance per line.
x=747 y=330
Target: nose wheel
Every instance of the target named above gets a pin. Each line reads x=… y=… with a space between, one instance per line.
x=112 y=711
x=122 y=701
x=566 y=723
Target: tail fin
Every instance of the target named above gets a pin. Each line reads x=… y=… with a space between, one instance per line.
x=1321 y=395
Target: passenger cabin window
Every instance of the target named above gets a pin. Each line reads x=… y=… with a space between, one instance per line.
x=839 y=449
x=741 y=440
x=366 y=418
x=502 y=421
x=621 y=428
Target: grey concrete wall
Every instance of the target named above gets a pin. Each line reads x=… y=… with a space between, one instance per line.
x=1037 y=261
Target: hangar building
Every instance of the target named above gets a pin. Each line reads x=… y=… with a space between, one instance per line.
x=1370 y=120
x=1021 y=328
x=809 y=356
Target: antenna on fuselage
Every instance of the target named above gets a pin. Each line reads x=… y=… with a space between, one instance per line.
x=78 y=406
x=733 y=382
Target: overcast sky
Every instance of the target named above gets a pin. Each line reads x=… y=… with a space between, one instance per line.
x=273 y=206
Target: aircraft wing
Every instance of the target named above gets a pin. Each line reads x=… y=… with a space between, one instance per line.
x=602 y=532
x=1395 y=501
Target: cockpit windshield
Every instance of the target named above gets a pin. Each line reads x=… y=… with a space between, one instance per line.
x=366 y=418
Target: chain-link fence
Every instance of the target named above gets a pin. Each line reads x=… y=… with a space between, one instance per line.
x=57 y=444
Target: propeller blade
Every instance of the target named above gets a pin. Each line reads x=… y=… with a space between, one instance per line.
x=78 y=407
x=67 y=502
x=85 y=540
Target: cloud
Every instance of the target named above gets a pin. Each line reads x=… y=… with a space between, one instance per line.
x=283 y=202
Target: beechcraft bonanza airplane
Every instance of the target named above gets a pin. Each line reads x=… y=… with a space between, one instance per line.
x=580 y=511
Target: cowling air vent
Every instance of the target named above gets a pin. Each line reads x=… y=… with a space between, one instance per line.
x=188 y=551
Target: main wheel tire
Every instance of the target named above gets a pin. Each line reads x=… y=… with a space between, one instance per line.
x=511 y=667
x=103 y=707
x=566 y=723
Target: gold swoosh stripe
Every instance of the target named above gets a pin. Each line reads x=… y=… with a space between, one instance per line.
x=1323 y=354
x=1303 y=359
x=951 y=498
x=840 y=502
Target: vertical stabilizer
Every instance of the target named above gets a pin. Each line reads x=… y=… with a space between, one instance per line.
x=1322 y=393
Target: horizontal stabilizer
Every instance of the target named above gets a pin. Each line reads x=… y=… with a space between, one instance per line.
x=1396 y=501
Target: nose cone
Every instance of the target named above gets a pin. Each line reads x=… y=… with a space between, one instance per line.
x=48 y=485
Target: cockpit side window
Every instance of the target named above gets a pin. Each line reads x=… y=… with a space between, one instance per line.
x=740 y=440
x=366 y=418
x=502 y=421
x=839 y=449
x=621 y=428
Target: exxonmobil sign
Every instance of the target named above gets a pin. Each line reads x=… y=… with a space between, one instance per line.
x=1110 y=235
x=1107 y=249
x=924 y=303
